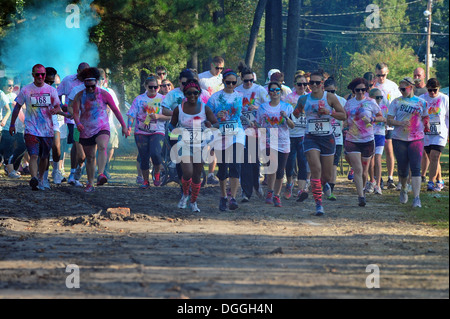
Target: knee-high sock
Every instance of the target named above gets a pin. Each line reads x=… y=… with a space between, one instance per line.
x=186 y=185
x=316 y=187
x=195 y=191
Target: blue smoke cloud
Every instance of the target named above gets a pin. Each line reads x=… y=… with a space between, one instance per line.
x=45 y=37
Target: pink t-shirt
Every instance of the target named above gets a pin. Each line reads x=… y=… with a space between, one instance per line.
x=93 y=112
x=358 y=130
x=39 y=102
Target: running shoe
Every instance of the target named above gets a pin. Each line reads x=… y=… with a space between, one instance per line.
x=145 y=185
x=269 y=198
x=79 y=172
x=403 y=196
x=319 y=210
x=101 y=180
x=288 y=191
x=157 y=182
x=14 y=174
x=326 y=190
x=416 y=202
x=361 y=201
x=244 y=199
x=332 y=197
x=399 y=187
x=430 y=186
x=57 y=177
x=351 y=174
x=182 y=204
x=212 y=180
x=277 y=201
x=139 y=180
x=439 y=186
x=377 y=190
x=194 y=207
x=46 y=184
x=391 y=184
x=369 y=187
x=223 y=204
x=71 y=179
x=301 y=196
x=259 y=192
x=89 y=188
x=77 y=184
x=233 y=204
x=34 y=183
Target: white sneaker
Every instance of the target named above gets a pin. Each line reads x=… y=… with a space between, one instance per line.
x=57 y=177
x=139 y=180
x=46 y=184
x=417 y=203
x=14 y=174
x=77 y=184
x=399 y=187
x=369 y=187
x=194 y=207
x=182 y=204
x=377 y=190
x=403 y=196
x=41 y=186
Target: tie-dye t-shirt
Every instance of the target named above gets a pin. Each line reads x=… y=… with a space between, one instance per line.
x=93 y=112
x=39 y=101
x=300 y=123
x=379 y=128
x=142 y=108
x=438 y=110
x=231 y=127
x=412 y=110
x=277 y=130
x=66 y=87
x=252 y=97
x=176 y=97
x=357 y=112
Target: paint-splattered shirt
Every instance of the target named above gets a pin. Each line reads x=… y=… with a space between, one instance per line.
x=357 y=112
x=412 y=110
x=142 y=108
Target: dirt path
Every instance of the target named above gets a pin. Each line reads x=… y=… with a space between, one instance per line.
x=258 y=251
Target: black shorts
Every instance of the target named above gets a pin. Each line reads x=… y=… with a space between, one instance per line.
x=91 y=140
x=430 y=148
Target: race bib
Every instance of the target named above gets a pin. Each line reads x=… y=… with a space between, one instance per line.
x=249 y=115
x=41 y=100
x=192 y=135
x=229 y=128
x=300 y=122
x=319 y=127
x=337 y=131
x=435 y=128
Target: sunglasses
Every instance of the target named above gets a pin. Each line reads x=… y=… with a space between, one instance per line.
x=381 y=75
x=153 y=87
x=404 y=89
x=378 y=97
x=230 y=82
x=39 y=74
x=360 y=90
x=275 y=90
x=162 y=73
x=190 y=93
x=302 y=84
x=219 y=68
x=50 y=82
x=90 y=86
x=10 y=85
x=331 y=91
x=249 y=81
x=165 y=85
x=315 y=83
x=432 y=90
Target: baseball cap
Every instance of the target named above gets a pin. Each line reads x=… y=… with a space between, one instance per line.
x=407 y=80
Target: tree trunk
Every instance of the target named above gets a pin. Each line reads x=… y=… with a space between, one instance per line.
x=252 y=43
x=268 y=38
x=293 y=23
x=277 y=39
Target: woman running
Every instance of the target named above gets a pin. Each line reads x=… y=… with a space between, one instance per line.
x=436 y=139
x=150 y=117
x=319 y=143
x=91 y=118
x=409 y=117
x=297 y=158
x=229 y=145
x=274 y=116
x=362 y=113
x=192 y=116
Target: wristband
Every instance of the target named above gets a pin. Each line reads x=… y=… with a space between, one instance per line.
x=77 y=123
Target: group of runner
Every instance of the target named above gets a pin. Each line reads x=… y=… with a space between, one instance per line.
x=223 y=117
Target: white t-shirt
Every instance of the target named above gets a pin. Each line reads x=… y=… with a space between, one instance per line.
x=211 y=83
x=338 y=125
x=438 y=110
x=251 y=98
x=390 y=91
x=412 y=110
x=66 y=87
x=142 y=108
x=300 y=123
x=4 y=101
x=39 y=102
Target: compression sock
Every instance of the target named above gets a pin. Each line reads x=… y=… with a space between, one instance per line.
x=186 y=184
x=195 y=191
x=316 y=188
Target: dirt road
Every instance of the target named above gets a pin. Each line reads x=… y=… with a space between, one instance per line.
x=258 y=251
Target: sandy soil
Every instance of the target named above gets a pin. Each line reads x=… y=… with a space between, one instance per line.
x=258 y=251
